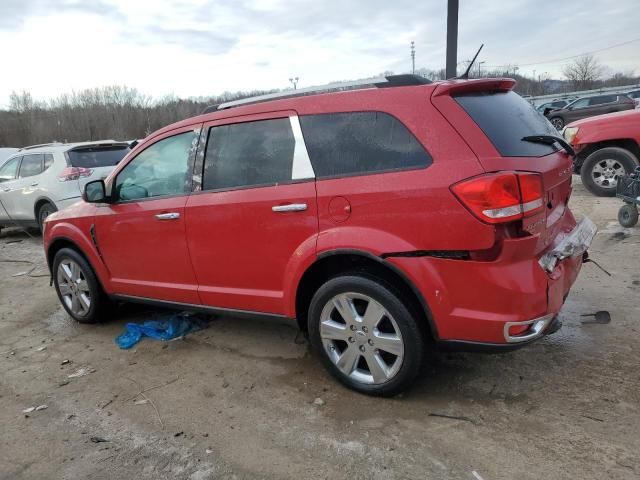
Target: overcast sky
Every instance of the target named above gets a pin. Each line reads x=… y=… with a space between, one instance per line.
x=204 y=47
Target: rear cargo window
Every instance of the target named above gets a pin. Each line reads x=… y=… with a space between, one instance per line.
x=94 y=157
x=360 y=142
x=506 y=117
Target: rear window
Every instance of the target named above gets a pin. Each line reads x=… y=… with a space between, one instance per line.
x=358 y=143
x=94 y=157
x=506 y=117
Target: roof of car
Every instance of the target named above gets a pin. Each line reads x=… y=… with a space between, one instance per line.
x=65 y=147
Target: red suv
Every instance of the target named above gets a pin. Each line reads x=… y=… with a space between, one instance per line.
x=385 y=219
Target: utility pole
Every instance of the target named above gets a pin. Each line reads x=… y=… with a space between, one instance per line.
x=452 y=38
x=479 y=66
x=294 y=82
x=413 y=57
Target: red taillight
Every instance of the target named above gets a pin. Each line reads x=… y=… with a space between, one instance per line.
x=74 y=173
x=532 y=192
x=501 y=197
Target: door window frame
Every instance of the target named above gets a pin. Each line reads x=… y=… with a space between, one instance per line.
x=15 y=175
x=302 y=169
x=196 y=129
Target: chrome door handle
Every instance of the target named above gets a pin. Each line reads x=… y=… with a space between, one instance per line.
x=292 y=207
x=168 y=216
x=34 y=184
x=6 y=189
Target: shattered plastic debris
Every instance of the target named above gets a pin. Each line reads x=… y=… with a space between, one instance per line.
x=168 y=327
x=81 y=372
x=141 y=402
x=39 y=349
x=574 y=244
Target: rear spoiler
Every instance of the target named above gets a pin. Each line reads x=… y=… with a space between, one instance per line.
x=89 y=146
x=456 y=87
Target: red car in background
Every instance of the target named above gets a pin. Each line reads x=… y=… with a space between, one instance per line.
x=607 y=147
x=385 y=220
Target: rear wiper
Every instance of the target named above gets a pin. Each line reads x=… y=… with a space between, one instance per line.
x=550 y=140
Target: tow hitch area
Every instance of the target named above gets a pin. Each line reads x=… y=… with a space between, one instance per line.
x=574 y=244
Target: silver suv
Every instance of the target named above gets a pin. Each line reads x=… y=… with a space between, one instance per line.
x=36 y=181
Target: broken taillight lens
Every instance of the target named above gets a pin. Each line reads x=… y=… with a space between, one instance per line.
x=74 y=173
x=501 y=197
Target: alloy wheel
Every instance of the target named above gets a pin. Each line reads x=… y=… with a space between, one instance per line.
x=606 y=172
x=73 y=287
x=361 y=338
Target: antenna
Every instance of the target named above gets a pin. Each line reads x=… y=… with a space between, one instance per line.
x=465 y=75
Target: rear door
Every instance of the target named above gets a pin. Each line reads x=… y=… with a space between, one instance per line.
x=255 y=211
x=494 y=121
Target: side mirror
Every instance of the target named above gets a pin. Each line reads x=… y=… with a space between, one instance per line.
x=95 y=192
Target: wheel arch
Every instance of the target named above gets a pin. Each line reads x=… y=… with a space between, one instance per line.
x=332 y=263
x=89 y=254
x=626 y=143
x=39 y=202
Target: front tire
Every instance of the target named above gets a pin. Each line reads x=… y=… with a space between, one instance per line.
x=557 y=122
x=365 y=335
x=78 y=288
x=602 y=169
x=628 y=215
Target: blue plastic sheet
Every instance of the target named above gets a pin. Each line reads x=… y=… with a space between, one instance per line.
x=174 y=325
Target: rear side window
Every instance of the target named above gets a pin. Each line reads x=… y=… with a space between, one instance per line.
x=31 y=165
x=249 y=154
x=95 y=157
x=506 y=117
x=8 y=170
x=357 y=143
x=602 y=100
x=48 y=160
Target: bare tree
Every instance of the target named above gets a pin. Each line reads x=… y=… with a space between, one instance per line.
x=583 y=72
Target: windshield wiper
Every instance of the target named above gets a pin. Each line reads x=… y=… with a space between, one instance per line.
x=550 y=140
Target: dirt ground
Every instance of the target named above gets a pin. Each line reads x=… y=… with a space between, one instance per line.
x=236 y=400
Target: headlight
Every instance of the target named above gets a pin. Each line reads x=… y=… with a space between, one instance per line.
x=570 y=133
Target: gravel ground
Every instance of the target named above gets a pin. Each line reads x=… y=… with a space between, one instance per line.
x=236 y=400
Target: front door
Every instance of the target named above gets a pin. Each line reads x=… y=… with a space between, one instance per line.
x=19 y=200
x=257 y=208
x=141 y=235
x=8 y=174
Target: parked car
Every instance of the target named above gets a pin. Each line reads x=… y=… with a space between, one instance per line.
x=553 y=105
x=634 y=94
x=589 y=107
x=607 y=148
x=36 y=181
x=385 y=220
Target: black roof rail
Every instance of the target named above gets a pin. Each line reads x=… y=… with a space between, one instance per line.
x=404 y=80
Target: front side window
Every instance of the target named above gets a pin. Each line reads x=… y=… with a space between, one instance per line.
x=161 y=169
x=8 y=170
x=357 y=143
x=31 y=165
x=583 y=102
x=249 y=154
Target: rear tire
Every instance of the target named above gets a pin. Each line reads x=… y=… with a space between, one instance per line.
x=44 y=211
x=628 y=215
x=365 y=335
x=78 y=288
x=601 y=170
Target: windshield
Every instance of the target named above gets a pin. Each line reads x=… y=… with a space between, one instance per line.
x=506 y=117
x=94 y=157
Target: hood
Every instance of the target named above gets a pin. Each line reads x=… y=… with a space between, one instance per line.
x=608 y=118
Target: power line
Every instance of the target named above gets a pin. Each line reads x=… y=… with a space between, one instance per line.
x=559 y=60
